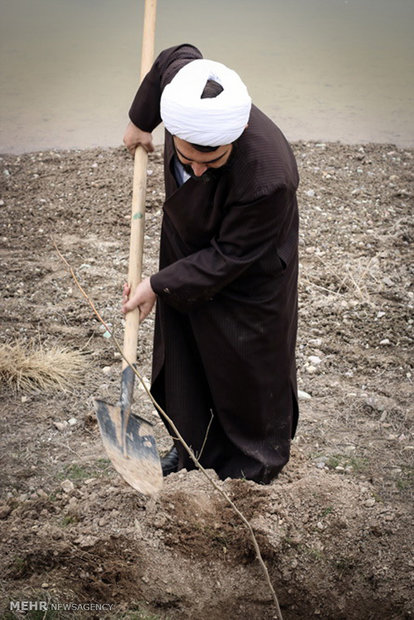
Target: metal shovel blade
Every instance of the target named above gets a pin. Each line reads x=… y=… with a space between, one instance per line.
x=130 y=444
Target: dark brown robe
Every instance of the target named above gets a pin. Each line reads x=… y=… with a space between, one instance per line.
x=226 y=320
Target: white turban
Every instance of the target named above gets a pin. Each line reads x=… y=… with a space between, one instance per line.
x=208 y=122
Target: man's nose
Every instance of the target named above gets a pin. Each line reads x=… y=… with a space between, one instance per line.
x=198 y=169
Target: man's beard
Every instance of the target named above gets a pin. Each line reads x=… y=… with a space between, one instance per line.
x=212 y=174
x=207 y=176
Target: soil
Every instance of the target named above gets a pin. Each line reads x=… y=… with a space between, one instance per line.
x=334 y=528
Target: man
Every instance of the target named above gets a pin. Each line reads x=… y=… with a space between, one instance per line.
x=226 y=289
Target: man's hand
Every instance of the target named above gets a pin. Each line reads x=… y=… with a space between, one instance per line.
x=134 y=136
x=143 y=298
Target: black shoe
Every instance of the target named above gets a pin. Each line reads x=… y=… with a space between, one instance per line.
x=169 y=462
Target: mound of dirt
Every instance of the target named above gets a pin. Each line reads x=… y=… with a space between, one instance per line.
x=333 y=529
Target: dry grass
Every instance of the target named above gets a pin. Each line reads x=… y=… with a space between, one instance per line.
x=355 y=280
x=32 y=367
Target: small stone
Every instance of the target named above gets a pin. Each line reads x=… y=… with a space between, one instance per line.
x=303 y=395
x=314 y=360
x=385 y=342
x=72 y=421
x=107 y=370
x=4 y=511
x=24 y=399
x=369 y=503
x=67 y=486
x=349 y=449
x=85 y=542
x=60 y=425
x=45 y=585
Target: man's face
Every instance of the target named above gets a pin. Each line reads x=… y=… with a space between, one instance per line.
x=201 y=165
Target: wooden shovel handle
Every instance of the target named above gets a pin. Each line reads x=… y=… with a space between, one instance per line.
x=136 y=245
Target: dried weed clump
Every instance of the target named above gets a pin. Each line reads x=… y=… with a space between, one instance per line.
x=32 y=367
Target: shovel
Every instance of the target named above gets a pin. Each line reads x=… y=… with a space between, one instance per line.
x=127 y=438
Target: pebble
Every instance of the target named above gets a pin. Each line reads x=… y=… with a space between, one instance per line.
x=4 y=511
x=349 y=449
x=60 y=425
x=107 y=369
x=369 y=503
x=86 y=541
x=72 y=421
x=385 y=342
x=304 y=395
x=316 y=342
x=314 y=359
x=67 y=486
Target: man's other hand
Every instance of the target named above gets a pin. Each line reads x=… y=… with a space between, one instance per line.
x=134 y=136
x=143 y=298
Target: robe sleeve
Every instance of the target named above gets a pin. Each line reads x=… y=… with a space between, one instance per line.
x=145 y=108
x=247 y=232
